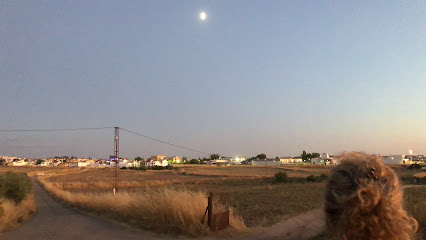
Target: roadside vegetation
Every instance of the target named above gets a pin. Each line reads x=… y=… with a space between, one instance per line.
x=16 y=201
x=415 y=204
x=165 y=210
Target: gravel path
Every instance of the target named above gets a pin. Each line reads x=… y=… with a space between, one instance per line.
x=54 y=221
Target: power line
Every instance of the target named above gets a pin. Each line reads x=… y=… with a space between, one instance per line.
x=52 y=130
x=161 y=141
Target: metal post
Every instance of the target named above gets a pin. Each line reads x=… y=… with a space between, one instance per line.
x=266 y=161
x=116 y=158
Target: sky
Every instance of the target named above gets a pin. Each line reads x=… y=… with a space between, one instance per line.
x=273 y=77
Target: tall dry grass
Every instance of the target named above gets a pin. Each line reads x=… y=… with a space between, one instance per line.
x=11 y=214
x=165 y=211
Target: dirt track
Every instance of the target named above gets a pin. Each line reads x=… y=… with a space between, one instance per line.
x=53 y=222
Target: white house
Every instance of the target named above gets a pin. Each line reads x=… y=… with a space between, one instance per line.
x=19 y=163
x=157 y=163
x=324 y=159
x=237 y=160
x=395 y=159
x=289 y=160
x=83 y=164
x=267 y=162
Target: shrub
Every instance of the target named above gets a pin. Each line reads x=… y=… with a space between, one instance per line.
x=123 y=168
x=415 y=166
x=280 y=177
x=163 y=210
x=14 y=186
x=311 y=178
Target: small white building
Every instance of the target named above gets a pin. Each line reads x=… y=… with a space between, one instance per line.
x=157 y=163
x=19 y=163
x=237 y=160
x=83 y=164
x=324 y=159
x=289 y=160
x=395 y=159
x=267 y=162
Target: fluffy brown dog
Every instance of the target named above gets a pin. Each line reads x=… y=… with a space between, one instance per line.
x=364 y=201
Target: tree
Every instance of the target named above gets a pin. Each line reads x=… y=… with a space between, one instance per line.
x=138 y=159
x=309 y=156
x=214 y=156
x=39 y=161
x=2 y=161
x=261 y=156
x=184 y=159
x=193 y=161
x=304 y=156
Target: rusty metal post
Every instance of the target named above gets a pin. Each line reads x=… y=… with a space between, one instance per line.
x=218 y=209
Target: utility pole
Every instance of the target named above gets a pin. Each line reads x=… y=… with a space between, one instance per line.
x=116 y=169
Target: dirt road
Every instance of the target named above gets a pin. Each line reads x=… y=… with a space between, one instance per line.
x=54 y=221
x=304 y=226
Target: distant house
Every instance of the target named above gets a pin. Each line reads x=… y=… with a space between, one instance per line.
x=83 y=164
x=266 y=162
x=19 y=163
x=395 y=159
x=72 y=164
x=237 y=160
x=155 y=163
x=174 y=159
x=324 y=159
x=290 y=160
x=158 y=158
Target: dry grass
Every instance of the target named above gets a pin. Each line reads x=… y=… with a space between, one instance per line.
x=253 y=171
x=11 y=214
x=163 y=210
x=415 y=203
x=420 y=175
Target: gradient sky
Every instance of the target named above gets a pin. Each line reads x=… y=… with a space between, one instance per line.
x=275 y=77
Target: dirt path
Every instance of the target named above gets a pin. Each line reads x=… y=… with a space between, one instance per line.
x=53 y=221
x=302 y=227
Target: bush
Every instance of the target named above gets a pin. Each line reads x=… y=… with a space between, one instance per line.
x=313 y=178
x=280 y=177
x=415 y=166
x=123 y=168
x=14 y=186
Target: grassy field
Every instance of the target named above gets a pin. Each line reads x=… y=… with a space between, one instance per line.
x=253 y=171
x=415 y=204
x=256 y=199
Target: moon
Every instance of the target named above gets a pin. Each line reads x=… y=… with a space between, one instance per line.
x=203 y=16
